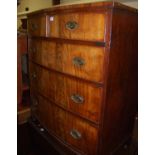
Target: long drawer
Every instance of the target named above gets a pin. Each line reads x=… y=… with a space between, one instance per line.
x=73 y=130
x=78 y=60
x=75 y=95
x=78 y=26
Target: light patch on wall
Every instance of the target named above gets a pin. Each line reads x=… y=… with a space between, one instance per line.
x=33 y=5
x=132 y=3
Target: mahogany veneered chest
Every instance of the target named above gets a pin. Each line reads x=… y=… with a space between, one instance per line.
x=83 y=75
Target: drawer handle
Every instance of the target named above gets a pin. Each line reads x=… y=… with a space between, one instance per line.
x=34 y=76
x=77 y=98
x=71 y=25
x=34 y=26
x=78 y=61
x=75 y=134
x=42 y=129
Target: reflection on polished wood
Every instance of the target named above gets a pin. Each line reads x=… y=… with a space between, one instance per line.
x=83 y=75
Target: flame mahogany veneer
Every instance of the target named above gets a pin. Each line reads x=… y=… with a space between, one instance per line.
x=83 y=75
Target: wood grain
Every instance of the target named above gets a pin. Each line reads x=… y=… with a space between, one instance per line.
x=60 y=56
x=59 y=89
x=61 y=123
x=105 y=43
x=55 y=26
x=37 y=26
x=122 y=86
x=87 y=25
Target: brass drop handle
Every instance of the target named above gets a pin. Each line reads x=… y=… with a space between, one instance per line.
x=75 y=134
x=34 y=26
x=34 y=76
x=71 y=25
x=77 y=98
x=77 y=61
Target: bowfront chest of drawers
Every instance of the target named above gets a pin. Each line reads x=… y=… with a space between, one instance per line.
x=83 y=75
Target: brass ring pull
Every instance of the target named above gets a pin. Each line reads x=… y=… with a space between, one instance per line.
x=75 y=134
x=77 y=98
x=71 y=25
x=78 y=61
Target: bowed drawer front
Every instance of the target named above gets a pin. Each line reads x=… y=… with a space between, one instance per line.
x=75 y=95
x=67 y=127
x=83 y=75
x=79 y=26
x=78 y=60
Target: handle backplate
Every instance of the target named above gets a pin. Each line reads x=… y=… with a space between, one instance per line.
x=77 y=98
x=77 y=61
x=75 y=134
x=71 y=25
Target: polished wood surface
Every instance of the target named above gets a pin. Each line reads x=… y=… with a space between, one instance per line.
x=60 y=57
x=87 y=25
x=83 y=67
x=60 y=122
x=122 y=82
x=49 y=145
x=60 y=90
x=37 y=26
x=87 y=7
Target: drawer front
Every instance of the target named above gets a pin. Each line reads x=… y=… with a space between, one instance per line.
x=78 y=26
x=37 y=26
x=82 y=135
x=70 y=129
x=78 y=60
x=41 y=110
x=77 y=96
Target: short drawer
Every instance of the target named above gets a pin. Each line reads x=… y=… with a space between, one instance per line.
x=37 y=26
x=72 y=130
x=82 y=61
x=75 y=95
x=78 y=26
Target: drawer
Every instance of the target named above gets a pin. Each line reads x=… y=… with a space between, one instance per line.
x=41 y=109
x=72 y=130
x=37 y=26
x=78 y=60
x=78 y=26
x=77 y=96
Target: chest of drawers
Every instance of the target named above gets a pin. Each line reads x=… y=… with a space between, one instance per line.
x=83 y=75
